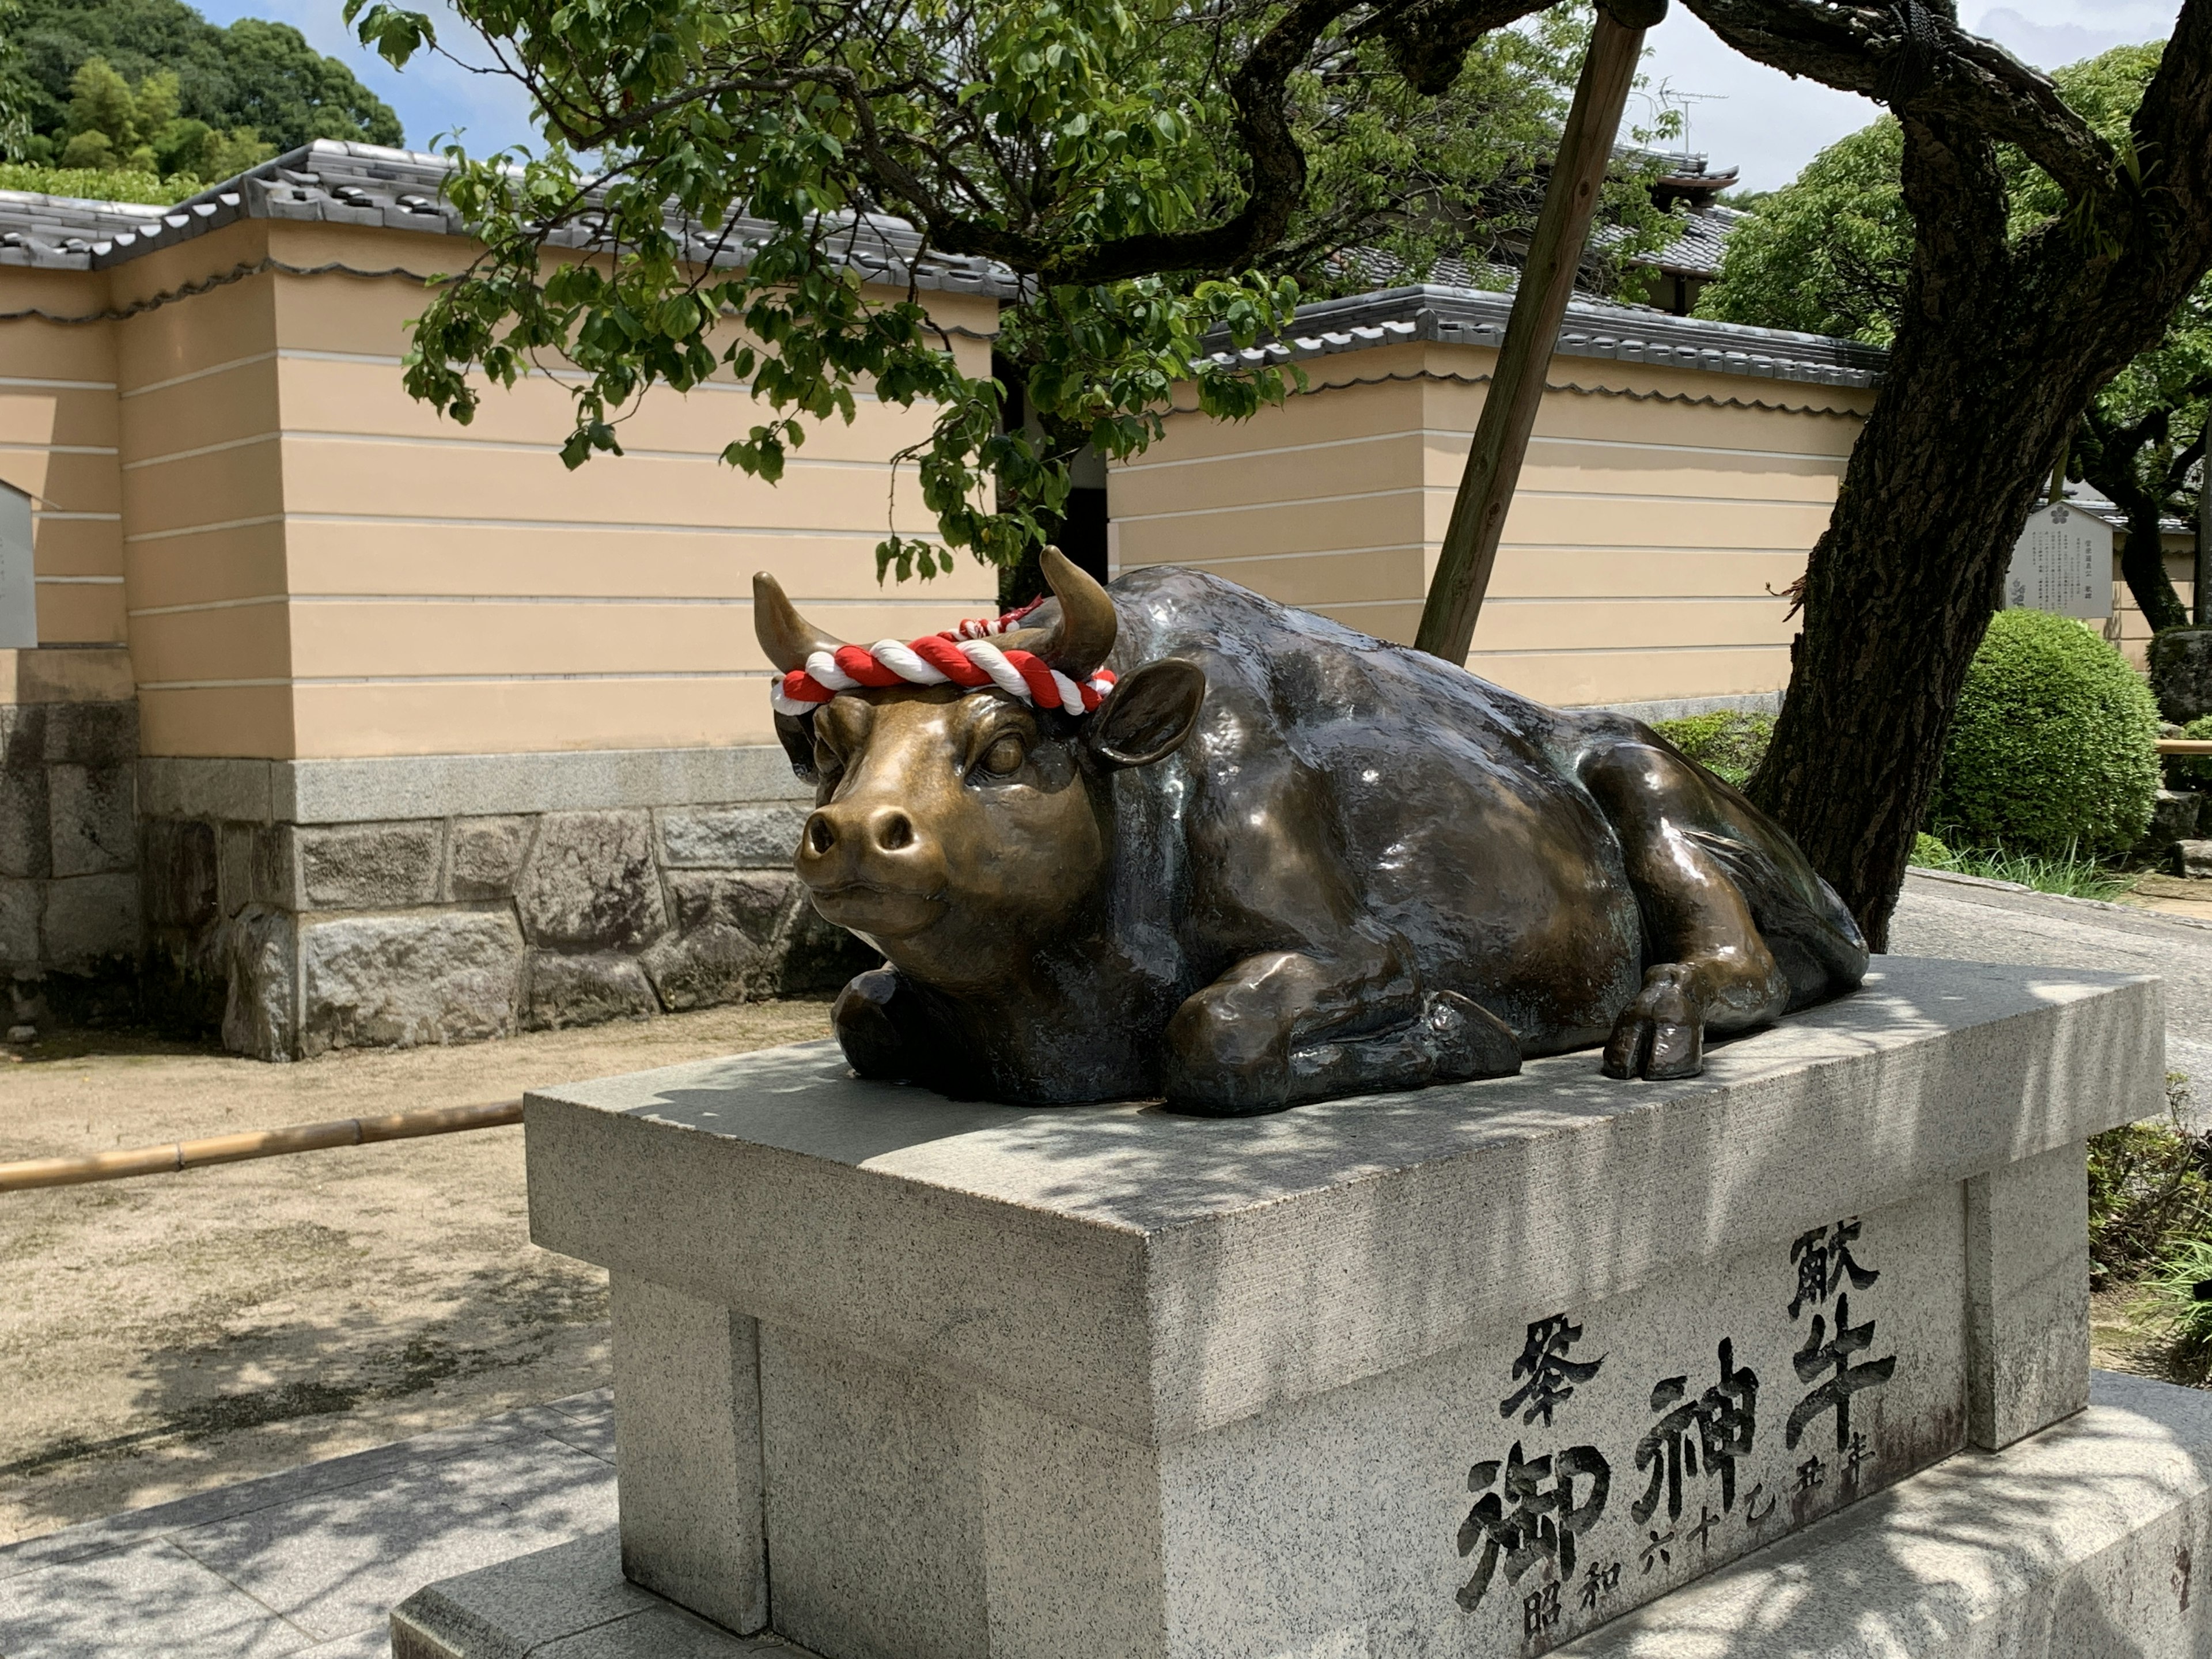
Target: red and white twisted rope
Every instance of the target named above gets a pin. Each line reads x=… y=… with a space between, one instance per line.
x=963 y=657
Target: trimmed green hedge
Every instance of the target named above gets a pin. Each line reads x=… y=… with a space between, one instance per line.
x=2054 y=745
x=1729 y=744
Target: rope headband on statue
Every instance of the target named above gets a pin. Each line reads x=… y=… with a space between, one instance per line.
x=963 y=656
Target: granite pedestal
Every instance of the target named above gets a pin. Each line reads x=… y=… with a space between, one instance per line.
x=1472 y=1371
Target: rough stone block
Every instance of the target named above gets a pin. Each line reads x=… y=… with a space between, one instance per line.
x=706 y=967
x=762 y=836
x=20 y=902
x=276 y=867
x=2028 y=1298
x=22 y=735
x=591 y=882
x=93 y=813
x=400 y=981
x=2192 y=858
x=179 y=872
x=88 y=918
x=261 y=1011
x=688 y=1451
x=92 y=733
x=360 y=866
x=2181 y=672
x=487 y=853
x=26 y=831
x=584 y=990
x=753 y=903
x=814 y=955
x=2173 y=819
x=1245 y=1388
x=235 y=886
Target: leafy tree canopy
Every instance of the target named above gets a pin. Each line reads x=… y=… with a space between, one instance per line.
x=1155 y=170
x=171 y=92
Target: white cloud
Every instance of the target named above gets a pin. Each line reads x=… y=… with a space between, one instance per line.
x=1745 y=115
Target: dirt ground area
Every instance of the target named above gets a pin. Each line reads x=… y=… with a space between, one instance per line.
x=173 y=1333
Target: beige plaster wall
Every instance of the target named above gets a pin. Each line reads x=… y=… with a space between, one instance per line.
x=1651 y=517
x=59 y=441
x=309 y=563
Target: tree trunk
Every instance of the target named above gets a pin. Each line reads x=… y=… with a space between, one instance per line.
x=1900 y=587
x=2143 y=565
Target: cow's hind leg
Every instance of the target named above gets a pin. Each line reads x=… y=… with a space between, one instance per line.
x=1707 y=968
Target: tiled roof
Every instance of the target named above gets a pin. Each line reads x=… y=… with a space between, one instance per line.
x=1698 y=241
x=352 y=183
x=1592 y=328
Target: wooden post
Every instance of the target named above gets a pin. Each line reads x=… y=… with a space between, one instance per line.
x=1547 y=281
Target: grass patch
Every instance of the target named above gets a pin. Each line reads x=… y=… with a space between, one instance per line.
x=2072 y=874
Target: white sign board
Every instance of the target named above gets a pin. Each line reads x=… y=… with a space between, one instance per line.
x=2063 y=562
x=19 y=596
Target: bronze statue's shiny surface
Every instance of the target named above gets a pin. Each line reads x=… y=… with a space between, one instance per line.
x=1281 y=861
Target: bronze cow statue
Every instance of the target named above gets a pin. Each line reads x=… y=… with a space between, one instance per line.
x=1280 y=861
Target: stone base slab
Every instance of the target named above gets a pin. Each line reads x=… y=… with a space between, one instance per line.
x=2085 y=1541
x=1471 y=1371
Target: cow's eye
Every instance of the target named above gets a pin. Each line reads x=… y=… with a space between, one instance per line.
x=1005 y=757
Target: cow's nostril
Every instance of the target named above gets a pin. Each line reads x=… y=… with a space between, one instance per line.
x=819 y=835
x=894 y=831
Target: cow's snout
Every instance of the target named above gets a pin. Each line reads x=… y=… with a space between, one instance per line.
x=879 y=845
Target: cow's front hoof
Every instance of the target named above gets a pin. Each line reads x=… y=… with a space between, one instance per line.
x=1661 y=1035
x=1226 y=1060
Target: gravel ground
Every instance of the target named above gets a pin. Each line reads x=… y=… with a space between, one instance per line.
x=169 y=1334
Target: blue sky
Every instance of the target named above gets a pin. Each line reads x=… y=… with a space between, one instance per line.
x=1743 y=114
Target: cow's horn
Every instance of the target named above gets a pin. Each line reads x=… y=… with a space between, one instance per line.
x=787 y=637
x=1084 y=635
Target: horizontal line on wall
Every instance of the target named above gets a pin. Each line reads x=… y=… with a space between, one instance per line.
x=1615 y=650
x=760 y=675
x=205 y=529
x=1454 y=432
x=1248 y=558
x=79 y=581
x=585 y=526
x=1259 y=507
x=61 y=449
x=35 y=384
x=712 y=600
x=1279 y=449
x=212 y=604
x=201 y=373
x=1453 y=489
x=1685 y=501
x=1634 y=598
x=86 y=518
x=508 y=446
x=1657 y=551
x=204 y=449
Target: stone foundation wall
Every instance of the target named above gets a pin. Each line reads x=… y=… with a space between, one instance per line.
x=69 y=845
x=400 y=930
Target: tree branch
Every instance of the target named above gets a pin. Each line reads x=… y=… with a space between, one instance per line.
x=1922 y=63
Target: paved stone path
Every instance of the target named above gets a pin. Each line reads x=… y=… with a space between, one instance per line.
x=310 y=1562
x=1969 y=919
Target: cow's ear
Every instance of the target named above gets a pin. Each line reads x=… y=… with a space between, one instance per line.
x=1146 y=717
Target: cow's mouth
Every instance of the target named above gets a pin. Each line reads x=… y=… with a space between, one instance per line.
x=886 y=912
